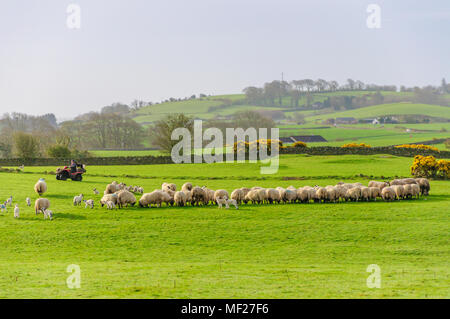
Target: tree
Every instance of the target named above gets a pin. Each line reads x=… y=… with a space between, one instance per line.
x=59 y=151
x=26 y=145
x=161 y=131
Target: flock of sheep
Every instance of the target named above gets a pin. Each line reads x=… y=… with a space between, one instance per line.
x=408 y=188
x=118 y=195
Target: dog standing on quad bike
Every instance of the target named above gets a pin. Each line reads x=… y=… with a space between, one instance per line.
x=75 y=172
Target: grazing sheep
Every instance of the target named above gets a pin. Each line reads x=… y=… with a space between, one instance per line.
x=40 y=187
x=353 y=194
x=380 y=185
x=188 y=196
x=16 y=211
x=262 y=195
x=167 y=186
x=340 y=192
x=282 y=192
x=41 y=204
x=388 y=194
x=180 y=198
x=290 y=196
x=409 y=181
x=303 y=195
x=254 y=196
x=424 y=186
x=155 y=198
x=272 y=195
x=111 y=188
x=238 y=195
x=96 y=192
x=332 y=195
x=77 y=200
x=48 y=214
x=187 y=187
x=167 y=198
x=209 y=195
x=374 y=192
x=89 y=203
x=399 y=191
x=245 y=190
x=125 y=198
x=365 y=193
x=108 y=198
x=110 y=205
x=221 y=194
x=415 y=190
x=321 y=194
x=28 y=200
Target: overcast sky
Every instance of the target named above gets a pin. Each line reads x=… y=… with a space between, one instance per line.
x=152 y=50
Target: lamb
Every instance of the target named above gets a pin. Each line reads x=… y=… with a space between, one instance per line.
x=16 y=211
x=110 y=205
x=272 y=195
x=48 y=214
x=126 y=198
x=221 y=194
x=238 y=195
x=40 y=187
x=96 y=192
x=9 y=201
x=180 y=198
x=380 y=185
x=399 y=191
x=28 y=200
x=424 y=186
x=374 y=192
x=226 y=202
x=108 y=198
x=89 y=203
x=77 y=200
x=388 y=194
x=41 y=204
x=140 y=190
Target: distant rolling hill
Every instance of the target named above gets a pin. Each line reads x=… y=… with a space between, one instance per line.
x=388 y=109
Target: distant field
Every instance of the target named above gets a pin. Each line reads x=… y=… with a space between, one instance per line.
x=388 y=109
x=259 y=251
x=125 y=153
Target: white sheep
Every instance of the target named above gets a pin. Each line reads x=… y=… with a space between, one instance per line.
x=221 y=201
x=9 y=201
x=110 y=205
x=28 y=200
x=77 y=200
x=89 y=203
x=48 y=214
x=40 y=187
x=16 y=211
x=41 y=204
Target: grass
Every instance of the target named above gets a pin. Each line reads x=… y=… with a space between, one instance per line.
x=267 y=251
x=388 y=109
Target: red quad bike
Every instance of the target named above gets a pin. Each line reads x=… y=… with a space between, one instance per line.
x=63 y=174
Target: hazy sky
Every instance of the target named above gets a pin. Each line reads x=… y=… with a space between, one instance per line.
x=152 y=50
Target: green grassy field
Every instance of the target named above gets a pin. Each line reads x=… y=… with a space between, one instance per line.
x=271 y=251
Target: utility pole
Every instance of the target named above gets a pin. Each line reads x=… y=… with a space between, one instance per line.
x=282 y=77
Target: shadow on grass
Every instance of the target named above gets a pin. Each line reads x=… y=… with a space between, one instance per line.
x=69 y=216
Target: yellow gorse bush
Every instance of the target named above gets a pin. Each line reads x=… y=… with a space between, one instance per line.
x=428 y=166
x=258 y=144
x=419 y=146
x=299 y=144
x=360 y=145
